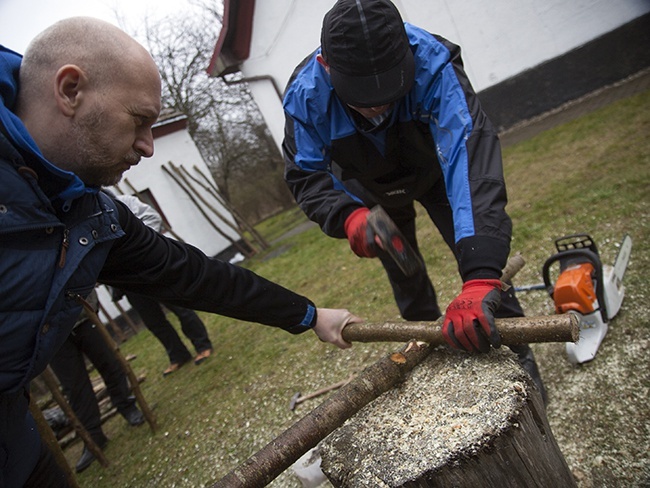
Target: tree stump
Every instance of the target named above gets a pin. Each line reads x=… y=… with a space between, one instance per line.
x=457 y=421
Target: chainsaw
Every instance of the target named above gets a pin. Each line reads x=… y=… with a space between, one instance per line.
x=587 y=288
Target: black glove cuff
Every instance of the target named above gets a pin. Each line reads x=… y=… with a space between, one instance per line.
x=482 y=257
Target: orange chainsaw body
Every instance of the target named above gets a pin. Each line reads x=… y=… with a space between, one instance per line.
x=574 y=290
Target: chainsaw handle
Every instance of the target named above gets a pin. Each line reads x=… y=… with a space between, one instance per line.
x=589 y=256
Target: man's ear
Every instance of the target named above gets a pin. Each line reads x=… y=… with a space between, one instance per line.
x=322 y=62
x=70 y=81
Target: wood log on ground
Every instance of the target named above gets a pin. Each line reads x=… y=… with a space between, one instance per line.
x=264 y=466
x=457 y=420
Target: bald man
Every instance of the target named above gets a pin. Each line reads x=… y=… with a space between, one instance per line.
x=76 y=112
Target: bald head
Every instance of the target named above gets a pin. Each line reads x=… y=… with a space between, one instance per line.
x=102 y=50
x=89 y=95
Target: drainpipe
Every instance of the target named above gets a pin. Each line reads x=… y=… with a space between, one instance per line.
x=256 y=78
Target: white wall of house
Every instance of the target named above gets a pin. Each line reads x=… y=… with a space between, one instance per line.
x=183 y=216
x=185 y=219
x=499 y=38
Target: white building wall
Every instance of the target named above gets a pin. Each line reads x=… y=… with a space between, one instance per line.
x=502 y=38
x=182 y=214
x=499 y=38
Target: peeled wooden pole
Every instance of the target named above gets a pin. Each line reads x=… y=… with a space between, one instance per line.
x=188 y=179
x=166 y=226
x=514 y=331
x=211 y=188
x=178 y=181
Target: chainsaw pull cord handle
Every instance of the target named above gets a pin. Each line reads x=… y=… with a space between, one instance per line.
x=593 y=258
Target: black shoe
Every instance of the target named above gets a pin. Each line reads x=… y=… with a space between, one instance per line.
x=134 y=417
x=88 y=457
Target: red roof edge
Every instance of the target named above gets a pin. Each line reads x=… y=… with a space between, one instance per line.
x=169 y=126
x=234 y=42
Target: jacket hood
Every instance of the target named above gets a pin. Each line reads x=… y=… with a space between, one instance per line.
x=69 y=185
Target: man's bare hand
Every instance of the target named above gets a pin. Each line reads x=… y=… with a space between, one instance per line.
x=330 y=324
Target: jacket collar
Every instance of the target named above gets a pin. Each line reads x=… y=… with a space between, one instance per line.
x=65 y=185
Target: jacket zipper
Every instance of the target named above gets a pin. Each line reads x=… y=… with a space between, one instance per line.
x=66 y=239
x=64 y=247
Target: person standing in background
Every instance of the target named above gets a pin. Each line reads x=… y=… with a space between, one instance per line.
x=69 y=366
x=152 y=313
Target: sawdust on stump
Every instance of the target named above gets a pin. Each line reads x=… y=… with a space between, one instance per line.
x=451 y=408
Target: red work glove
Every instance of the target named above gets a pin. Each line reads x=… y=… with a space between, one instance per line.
x=360 y=235
x=469 y=321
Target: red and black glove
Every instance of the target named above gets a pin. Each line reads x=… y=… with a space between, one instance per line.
x=360 y=234
x=469 y=321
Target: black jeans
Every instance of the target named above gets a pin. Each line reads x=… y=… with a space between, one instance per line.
x=155 y=320
x=47 y=473
x=69 y=366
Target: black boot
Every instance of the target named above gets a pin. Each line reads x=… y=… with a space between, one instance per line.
x=88 y=457
x=133 y=416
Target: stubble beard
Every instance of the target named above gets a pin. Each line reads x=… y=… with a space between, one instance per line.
x=93 y=159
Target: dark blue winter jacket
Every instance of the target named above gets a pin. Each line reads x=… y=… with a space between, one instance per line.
x=58 y=238
x=336 y=162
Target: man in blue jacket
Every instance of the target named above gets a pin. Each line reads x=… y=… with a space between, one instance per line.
x=75 y=113
x=384 y=114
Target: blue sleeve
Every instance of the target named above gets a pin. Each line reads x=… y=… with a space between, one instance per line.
x=306 y=150
x=469 y=153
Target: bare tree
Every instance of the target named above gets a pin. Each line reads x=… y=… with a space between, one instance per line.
x=223 y=119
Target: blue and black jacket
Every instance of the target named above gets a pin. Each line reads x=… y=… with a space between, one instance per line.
x=58 y=238
x=335 y=162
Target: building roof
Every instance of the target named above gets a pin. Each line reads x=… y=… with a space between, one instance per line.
x=169 y=121
x=233 y=45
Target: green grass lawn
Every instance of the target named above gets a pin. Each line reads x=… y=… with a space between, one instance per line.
x=591 y=175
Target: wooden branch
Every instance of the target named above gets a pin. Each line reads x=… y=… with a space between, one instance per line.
x=214 y=191
x=513 y=266
x=166 y=226
x=267 y=464
x=514 y=331
x=50 y=380
x=116 y=328
x=182 y=172
x=50 y=440
x=207 y=217
x=133 y=379
x=237 y=226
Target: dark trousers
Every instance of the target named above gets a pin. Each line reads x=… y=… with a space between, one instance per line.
x=70 y=368
x=47 y=473
x=155 y=320
x=415 y=295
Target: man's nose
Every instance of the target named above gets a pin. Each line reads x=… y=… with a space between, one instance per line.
x=144 y=144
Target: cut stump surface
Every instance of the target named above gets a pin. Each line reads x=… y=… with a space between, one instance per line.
x=458 y=420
